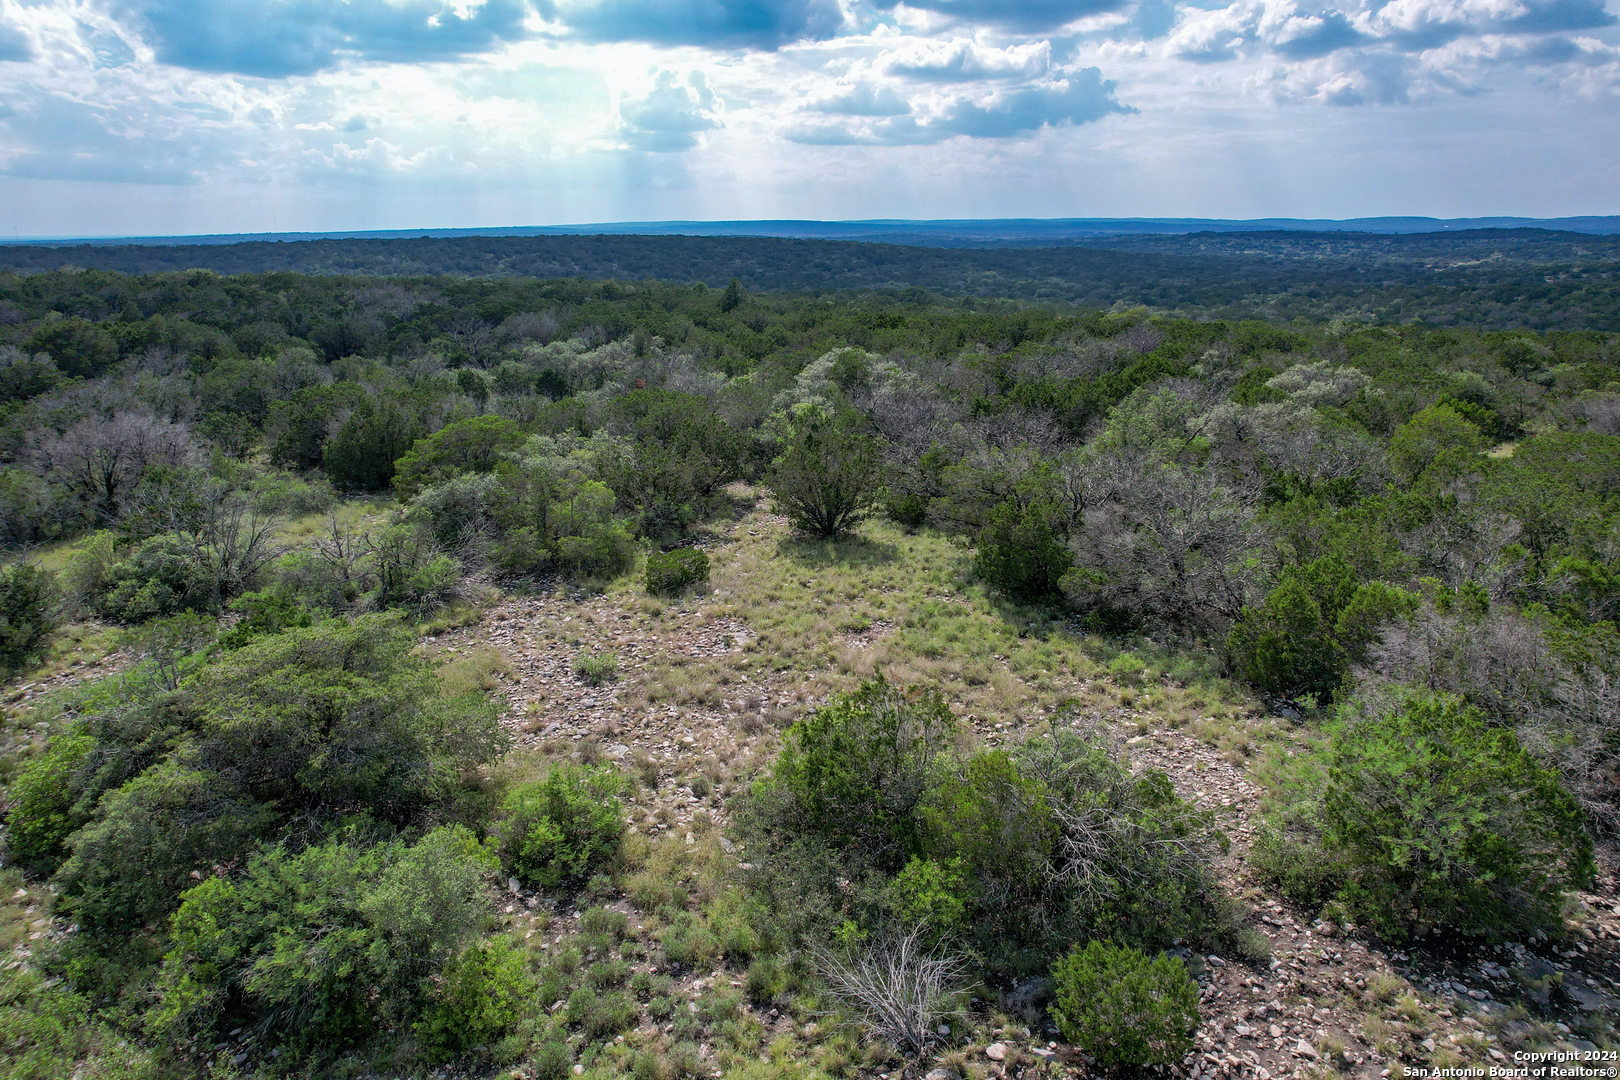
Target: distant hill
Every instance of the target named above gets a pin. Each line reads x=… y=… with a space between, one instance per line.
x=993 y=232
x=1482 y=277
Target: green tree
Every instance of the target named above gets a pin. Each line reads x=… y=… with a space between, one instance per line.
x=1317 y=622
x=828 y=478
x=78 y=346
x=475 y=444
x=1440 y=819
x=361 y=456
x=1020 y=553
x=29 y=600
x=1438 y=437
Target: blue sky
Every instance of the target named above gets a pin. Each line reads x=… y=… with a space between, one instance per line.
x=126 y=117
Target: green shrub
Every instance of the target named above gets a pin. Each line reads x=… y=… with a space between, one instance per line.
x=668 y=572
x=689 y=942
x=43 y=814
x=294 y=496
x=829 y=476
x=600 y=1015
x=607 y=975
x=604 y=921
x=764 y=981
x=552 y=1060
x=483 y=993
x=1020 y=552
x=473 y=445
x=28 y=611
x=306 y=725
x=562 y=828
x=157 y=577
x=265 y=612
x=1123 y=1007
x=1311 y=628
x=853 y=772
x=1442 y=820
x=327 y=946
x=596 y=668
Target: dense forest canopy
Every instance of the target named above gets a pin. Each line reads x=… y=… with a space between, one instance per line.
x=1485 y=278
x=289 y=838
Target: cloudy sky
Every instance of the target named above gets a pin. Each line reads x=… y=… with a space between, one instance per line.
x=126 y=117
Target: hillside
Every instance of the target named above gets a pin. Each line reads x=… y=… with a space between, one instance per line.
x=504 y=677
x=1492 y=278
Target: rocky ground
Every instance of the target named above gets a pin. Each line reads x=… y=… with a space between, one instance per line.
x=1328 y=998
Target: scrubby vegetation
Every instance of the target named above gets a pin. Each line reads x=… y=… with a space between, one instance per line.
x=857 y=624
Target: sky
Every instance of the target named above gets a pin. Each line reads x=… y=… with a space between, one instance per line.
x=163 y=117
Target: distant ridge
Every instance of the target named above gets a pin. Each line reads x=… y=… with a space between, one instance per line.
x=990 y=232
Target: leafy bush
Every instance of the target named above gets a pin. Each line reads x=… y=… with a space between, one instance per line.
x=157 y=577
x=689 y=941
x=43 y=813
x=263 y=613
x=601 y=920
x=668 y=572
x=829 y=476
x=562 y=828
x=1020 y=552
x=607 y=975
x=1442 y=820
x=589 y=540
x=601 y=1015
x=596 y=668
x=852 y=773
x=28 y=611
x=552 y=1060
x=305 y=725
x=1311 y=628
x=471 y=445
x=483 y=993
x=1014 y=854
x=1123 y=1007
x=294 y=496
x=325 y=947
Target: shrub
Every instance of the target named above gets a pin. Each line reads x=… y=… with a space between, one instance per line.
x=294 y=496
x=265 y=612
x=853 y=772
x=552 y=1060
x=1020 y=552
x=607 y=975
x=157 y=577
x=689 y=941
x=562 y=828
x=829 y=476
x=764 y=981
x=596 y=668
x=472 y=445
x=482 y=994
x=1123 y=1007
x=600 y=1015
x=28 y=610
x=43 y=815
x=1442 y=820
x=306 y=725
x=900 y=988
x=601 y=920
x=326 y=946
x=669 y=572
x=1311 y=628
